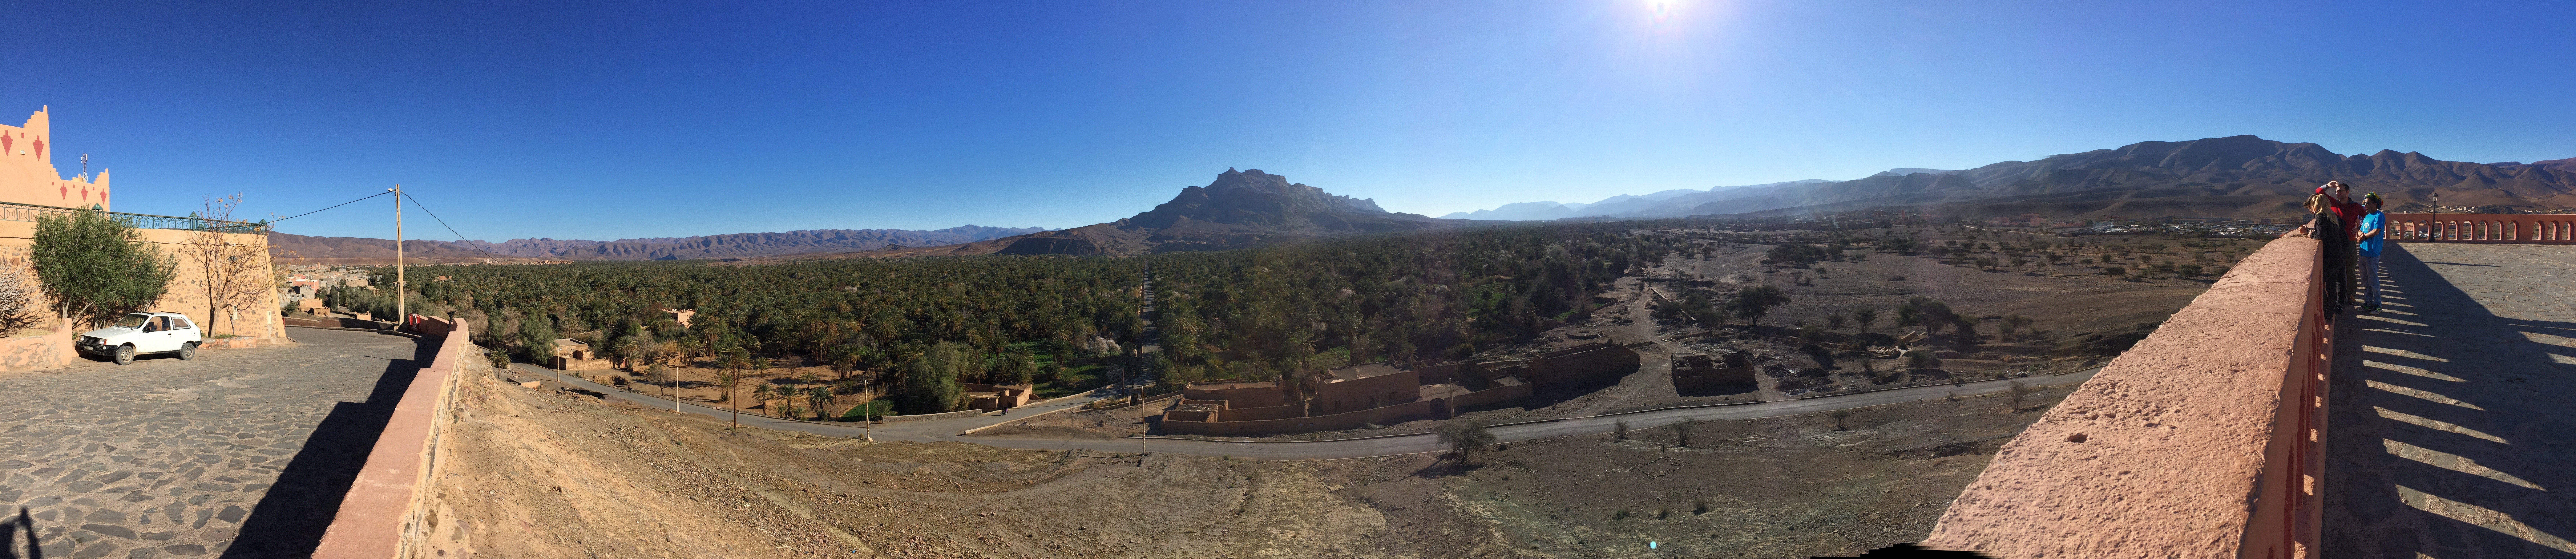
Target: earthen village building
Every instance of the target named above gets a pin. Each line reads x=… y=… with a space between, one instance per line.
x=1378 y=394
x=32 y=186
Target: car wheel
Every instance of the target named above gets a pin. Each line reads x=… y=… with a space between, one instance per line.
x=125 y=355
x=187 y=351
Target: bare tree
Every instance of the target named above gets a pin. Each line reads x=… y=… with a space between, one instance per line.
x=17 y=298
x=236 y=273
x=2015 y=392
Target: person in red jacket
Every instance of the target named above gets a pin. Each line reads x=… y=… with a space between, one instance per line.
x=2349 y=214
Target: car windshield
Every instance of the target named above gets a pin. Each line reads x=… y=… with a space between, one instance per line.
x=131 y=321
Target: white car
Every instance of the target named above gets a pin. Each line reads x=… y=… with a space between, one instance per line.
x=144 y=332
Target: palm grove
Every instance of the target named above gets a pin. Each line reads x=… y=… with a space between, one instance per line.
x=923 y=325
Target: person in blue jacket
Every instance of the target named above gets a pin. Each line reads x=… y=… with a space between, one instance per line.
x=2367 y=239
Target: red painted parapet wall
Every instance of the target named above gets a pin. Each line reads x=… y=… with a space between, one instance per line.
x=2201 y=441
x=381 y=511
x=2484 y=228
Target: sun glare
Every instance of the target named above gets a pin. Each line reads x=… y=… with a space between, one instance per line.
x=1663 y=8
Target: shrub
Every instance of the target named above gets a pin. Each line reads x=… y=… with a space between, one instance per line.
x=1699 y=506
x=1621 y=430
x=1838 y=416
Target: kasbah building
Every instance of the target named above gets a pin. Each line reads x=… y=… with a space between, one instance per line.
x=30 y=185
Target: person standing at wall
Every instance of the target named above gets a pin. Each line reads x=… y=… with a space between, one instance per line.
x=2366 y=241
x=2334 y=245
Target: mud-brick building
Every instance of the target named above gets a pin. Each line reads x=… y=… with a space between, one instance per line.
x=32 y=186
x=1696 y=374
x=1378 y=394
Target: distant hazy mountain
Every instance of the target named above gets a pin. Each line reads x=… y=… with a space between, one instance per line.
x=664 y=248
x=1669 y=203
x=1238 y=209
x=2236 y=176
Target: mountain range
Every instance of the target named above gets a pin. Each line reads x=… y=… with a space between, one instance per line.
x=1238 y=209
x=2236 y=177
x=739 y=245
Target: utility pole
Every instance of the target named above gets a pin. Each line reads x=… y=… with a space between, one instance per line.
x=402 y=301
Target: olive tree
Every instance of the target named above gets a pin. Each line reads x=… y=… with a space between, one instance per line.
x=94 y=267
x=1464 y=435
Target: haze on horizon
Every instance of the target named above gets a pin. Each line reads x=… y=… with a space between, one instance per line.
x=606 y=121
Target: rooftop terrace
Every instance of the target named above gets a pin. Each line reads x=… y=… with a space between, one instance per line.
x=2253 y=425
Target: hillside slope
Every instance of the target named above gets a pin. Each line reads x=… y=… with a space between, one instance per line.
x=2236 y=176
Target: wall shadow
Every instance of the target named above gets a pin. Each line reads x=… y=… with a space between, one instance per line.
x=289 y=520
x=2444 y=438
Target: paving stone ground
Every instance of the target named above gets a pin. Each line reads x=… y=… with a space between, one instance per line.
x=239 y=453
x=2452 y=416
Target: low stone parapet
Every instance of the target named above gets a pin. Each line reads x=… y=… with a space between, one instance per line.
x=2201 y=441
x=381 y=514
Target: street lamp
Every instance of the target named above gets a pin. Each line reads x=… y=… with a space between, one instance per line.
x=2438 y=228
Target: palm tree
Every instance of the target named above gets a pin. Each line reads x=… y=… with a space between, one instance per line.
x=820 y=398
x=729 y=374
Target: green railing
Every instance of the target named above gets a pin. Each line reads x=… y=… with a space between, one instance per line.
x=13 y=211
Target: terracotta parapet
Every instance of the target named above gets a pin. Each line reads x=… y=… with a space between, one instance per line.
x=381 y=512
x=2176 y=448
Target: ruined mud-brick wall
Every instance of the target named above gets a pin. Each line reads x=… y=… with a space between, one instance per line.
x=1243 y=394
x=1502 y=393
x=1591 y=363
x=1698 y=372
x=1473 y=376
x=1399 y=413
x=1354 y=394
x=1231 y=413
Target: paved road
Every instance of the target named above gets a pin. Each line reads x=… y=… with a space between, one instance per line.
x=946 y=430
x=170 y=457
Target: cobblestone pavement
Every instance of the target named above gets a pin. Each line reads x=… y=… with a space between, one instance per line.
x=179 y=458
x=2451 y=422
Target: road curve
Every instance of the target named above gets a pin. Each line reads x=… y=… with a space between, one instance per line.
x=947 y=429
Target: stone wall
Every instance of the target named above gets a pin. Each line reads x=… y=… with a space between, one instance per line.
x=381 y=516
x=1351 y=394
x=1265 y=413
x=48 y=346
x=1399 y=413
x=2198 y=442
x=1246 y=394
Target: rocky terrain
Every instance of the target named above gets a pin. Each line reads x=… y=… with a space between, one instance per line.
x=538 y=473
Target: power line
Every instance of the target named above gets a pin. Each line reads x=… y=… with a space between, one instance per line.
x=460 y=237
x=334 y=206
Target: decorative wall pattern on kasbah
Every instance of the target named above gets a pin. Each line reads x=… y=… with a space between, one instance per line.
x=28 y=176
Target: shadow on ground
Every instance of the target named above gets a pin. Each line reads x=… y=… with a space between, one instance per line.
x=289 y=520
x=2450 y=428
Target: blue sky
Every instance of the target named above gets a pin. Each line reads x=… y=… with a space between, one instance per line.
x=618 y=120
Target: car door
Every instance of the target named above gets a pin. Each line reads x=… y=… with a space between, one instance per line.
x=183 y=331
x=156 y=336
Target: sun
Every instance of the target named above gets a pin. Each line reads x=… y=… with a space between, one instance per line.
x=1662 y=8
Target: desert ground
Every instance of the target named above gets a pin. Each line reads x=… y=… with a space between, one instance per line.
x=539 y=473
x=2080 y=317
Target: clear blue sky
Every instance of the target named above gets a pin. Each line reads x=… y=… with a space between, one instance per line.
x=618 y=119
